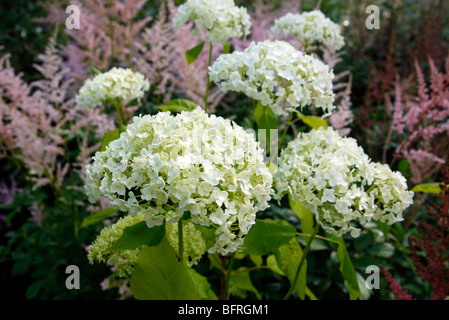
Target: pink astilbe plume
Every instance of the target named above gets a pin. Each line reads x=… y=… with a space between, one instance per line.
x=395 y=288
x=27 y=132
x=37 y=119
x=156 y=52
x=342 y=117
x=106 y=35
x=420 y=122
x=161 y=57
x=116 y=35
x=433 y=241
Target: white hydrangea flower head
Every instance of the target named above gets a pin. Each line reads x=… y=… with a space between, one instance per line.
x=333 y=178
x=222 y=19
x=165 y=165
x=115 y=84
x=277 y=75
x=310 y=27
x=98 y=251
x=123 y=262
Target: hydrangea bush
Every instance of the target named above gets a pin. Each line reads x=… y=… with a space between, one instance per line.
x=277 y=75
x=310 y=27
x=333 y=178
x=222 y=20
x=116 y=84
x=187 y=201
x=200 y=180
x=164 y=166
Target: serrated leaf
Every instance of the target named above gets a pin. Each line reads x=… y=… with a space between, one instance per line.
x=265 y=117
x=193 y=53
x=226 y=48
x=383 y=250
x=347 y=269
x=273 y=265
x=158 y=276
x=208 y=234
x=257 y=260
x=138 y=235
x=288 y=258
x=305 y=216
x=202 y=286
x=266 y=236
x=365 y=293
x=97 y=217
x=431 y=187
x=242 y=281
x=178 y=105
x=314 y=122
x=108 y=138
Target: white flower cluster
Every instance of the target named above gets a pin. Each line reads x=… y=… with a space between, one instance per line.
x=116 y=84
x=310 y=27
x=166 y=165
x=99 y=249
x=123 y=262
x=277 y=75
x=222 y=19
x=333 y=178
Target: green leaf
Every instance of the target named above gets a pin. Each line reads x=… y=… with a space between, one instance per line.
x=383 y=250
x=138 y=235
x=97 y=217
x=267 y=236
x=314 y=122
x=158 y=276
x=226 y=48
x=178 y=105
x=242 y=282
x=310 y=294
x=265 y=117
x=208 y=234
x=202 y=286
x=193 y=53
x=431 y=187
x=273 y=265
x=305 y=215
x=272 y=167
x=347 y=269
x=108 y=138
x=288 y=258
x=257 y=260
x=34 y=289
x=403 y=166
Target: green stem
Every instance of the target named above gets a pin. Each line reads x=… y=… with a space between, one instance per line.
x=301 y=263
x=316 y=236
x=228 y=273
x=228 y=276
x=180 y=242
x=117 y=104
x=289 y=122
x=208 y=78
